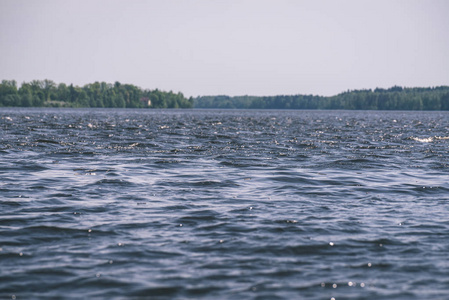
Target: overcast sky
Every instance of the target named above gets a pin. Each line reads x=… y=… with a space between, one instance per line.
x=233 y=47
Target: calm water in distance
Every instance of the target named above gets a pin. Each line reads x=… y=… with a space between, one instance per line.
x=223 y=204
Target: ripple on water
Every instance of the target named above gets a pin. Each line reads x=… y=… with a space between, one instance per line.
x=228 y=204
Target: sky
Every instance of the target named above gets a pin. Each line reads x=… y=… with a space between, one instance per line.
x=228 y=47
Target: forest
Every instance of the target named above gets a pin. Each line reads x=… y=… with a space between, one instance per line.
x=395 y=98
x=99 y=94
x=47 y=93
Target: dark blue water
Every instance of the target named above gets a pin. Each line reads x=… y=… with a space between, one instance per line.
x=189 y=204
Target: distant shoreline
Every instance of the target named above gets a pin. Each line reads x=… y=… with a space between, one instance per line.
x=46 y=93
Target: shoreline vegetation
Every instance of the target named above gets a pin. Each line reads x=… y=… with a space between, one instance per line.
x=46 y=93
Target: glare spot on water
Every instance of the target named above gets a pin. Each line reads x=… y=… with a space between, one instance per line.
x=119 y=244
x=423 y=140
x=332 y=298
x=90 y=230
x=180 y=225
x=331 y=244
x=221 y=241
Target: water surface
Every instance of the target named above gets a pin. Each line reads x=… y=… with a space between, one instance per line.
x=176 y=204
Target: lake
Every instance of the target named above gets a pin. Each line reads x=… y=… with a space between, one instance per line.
x=223 y=204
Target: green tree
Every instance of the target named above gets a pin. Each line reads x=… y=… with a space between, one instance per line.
x=119 y=101
x=27 y=100
x=445 y=101
x=8 y=87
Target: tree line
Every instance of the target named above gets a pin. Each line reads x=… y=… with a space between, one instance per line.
x=395 y=98
x=98 y=94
